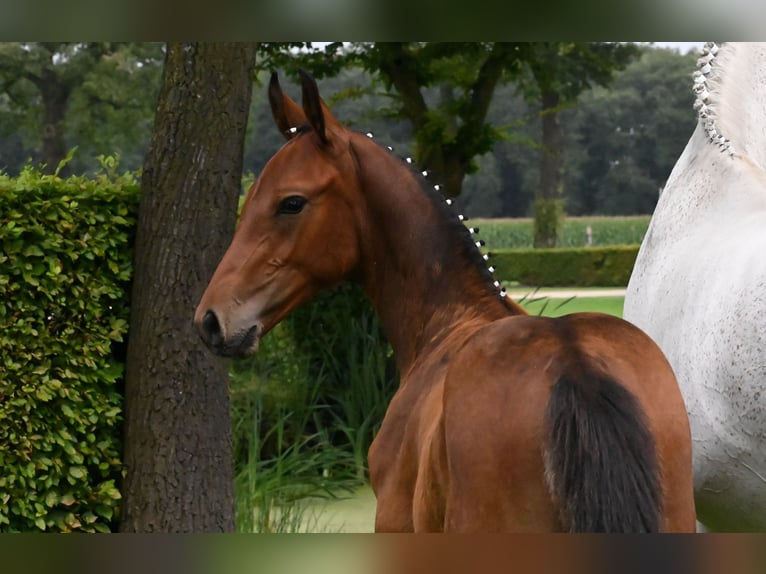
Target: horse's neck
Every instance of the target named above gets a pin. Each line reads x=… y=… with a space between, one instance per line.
x=736 y=98
x=415 y=270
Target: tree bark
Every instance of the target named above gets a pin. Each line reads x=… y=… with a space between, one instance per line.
x=178 y=453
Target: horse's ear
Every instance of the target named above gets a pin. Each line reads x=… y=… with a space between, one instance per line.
x=287 y=114
x=313 y=106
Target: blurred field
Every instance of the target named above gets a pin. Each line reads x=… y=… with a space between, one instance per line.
x=514 y=233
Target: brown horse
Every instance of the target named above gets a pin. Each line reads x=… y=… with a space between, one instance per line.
x=502 y=421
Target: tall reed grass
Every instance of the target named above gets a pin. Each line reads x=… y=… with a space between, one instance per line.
x=305 y=410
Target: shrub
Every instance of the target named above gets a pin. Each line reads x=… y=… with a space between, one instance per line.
x=65 y=267
x=282 y=454
x=566 y=266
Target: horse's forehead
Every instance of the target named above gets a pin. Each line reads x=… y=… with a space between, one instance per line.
x=298 y=161
x=287 y=172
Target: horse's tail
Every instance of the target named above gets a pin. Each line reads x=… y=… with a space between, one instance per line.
x=600 y=459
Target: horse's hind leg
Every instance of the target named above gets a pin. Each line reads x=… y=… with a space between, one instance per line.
x=500 y=502
x=493 y=446
x=496 y=479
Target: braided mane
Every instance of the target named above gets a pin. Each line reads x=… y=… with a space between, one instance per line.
x=705 y=90
x=469 y=245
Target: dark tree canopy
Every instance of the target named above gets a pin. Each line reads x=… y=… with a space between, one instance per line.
x=445 y=90
x=110 y=110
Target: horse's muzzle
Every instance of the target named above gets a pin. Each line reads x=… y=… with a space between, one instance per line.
x=243 y=343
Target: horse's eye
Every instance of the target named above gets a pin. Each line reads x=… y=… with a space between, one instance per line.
x=292 y=204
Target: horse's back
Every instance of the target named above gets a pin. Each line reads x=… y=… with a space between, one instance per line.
x=498 y=395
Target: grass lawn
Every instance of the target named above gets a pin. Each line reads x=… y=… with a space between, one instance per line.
x=542 y=305
x=557 y=301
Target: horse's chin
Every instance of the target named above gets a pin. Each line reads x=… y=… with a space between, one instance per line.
x=243 y=344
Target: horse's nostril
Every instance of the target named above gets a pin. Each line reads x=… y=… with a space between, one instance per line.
x=211 y=329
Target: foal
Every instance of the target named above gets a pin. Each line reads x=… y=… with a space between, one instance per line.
x=502 y=422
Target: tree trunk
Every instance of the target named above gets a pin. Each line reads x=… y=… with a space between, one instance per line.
x=55 y=96
x=548 y=206
x=178 y=453
x=446 y=163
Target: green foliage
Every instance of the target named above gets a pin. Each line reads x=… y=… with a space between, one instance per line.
x=620 y=143
x=99 y=95
x=567 y=266
x=341 y=335
x=65 y=268
x=442 y=89
x=518 y=233
x=623 y=142
x=307 y=406
x=282 y=456
x=113 y=109
x=570 y=68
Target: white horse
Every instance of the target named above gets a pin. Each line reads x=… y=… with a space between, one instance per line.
x=699 y=285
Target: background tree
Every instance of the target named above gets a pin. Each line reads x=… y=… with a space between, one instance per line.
x=619 y=142
x=112 y=111
x=622 y=142
x=444 y=91
x=62 y=94
x=559 y=73
x=516 y=156
x=178 y=454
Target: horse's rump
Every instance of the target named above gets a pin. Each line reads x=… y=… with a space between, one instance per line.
x=540 y=407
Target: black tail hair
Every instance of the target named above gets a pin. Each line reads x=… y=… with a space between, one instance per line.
x=601 y=462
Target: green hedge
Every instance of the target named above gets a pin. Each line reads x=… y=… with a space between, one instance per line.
x=65 y=267
x=566 y=266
